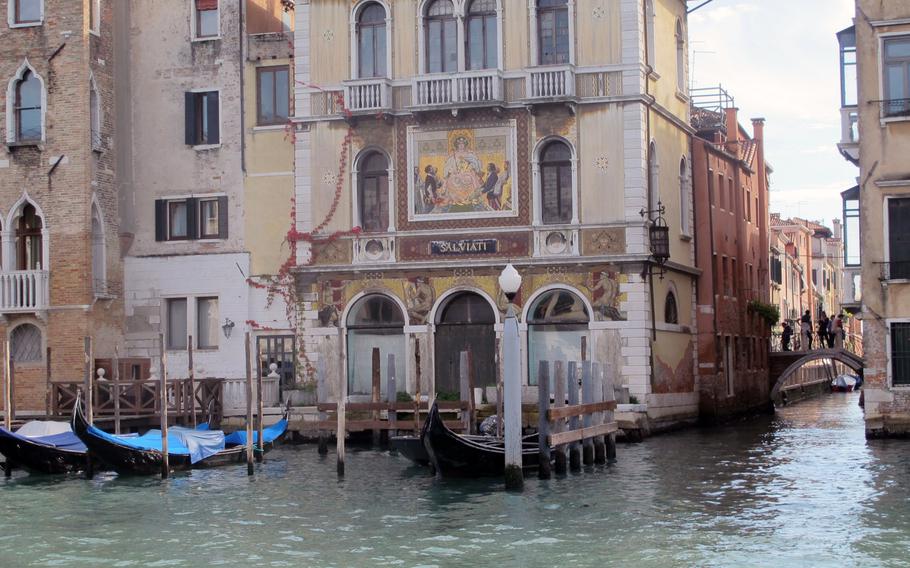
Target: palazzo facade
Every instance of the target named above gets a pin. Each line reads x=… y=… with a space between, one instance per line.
x=437 y=140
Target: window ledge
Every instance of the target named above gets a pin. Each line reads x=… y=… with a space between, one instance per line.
x=270 y=127
x=96 y=33
x=27 y=24
x=206 y=38
x=888 y=281
x=685 y=237
x=888 y=119
x=203 y=147
x=24 y=143
x=654 y=75
x=682 y=96
x=207 y=349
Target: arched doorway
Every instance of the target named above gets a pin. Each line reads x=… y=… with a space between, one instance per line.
x=375 y=322
x=557 y=329
x=465 y=323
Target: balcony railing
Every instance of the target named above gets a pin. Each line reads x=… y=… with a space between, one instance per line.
x=457 y=88
x=23 y=291
x=367 y=94
x=899 y=270
x=894 y=108
x=551 y=82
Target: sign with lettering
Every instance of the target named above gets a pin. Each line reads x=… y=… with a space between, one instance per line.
x=466 y=246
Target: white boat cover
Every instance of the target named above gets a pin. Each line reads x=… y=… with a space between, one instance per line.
x=40 y=428
x=844 y=382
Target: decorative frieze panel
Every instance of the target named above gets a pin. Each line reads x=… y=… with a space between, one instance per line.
x=372 y=249
x=556 y=242
x=611 y=240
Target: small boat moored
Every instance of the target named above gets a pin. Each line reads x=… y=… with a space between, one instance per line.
x=43 y=447
x=187 y=448
x=469 y=456
x=844 y=383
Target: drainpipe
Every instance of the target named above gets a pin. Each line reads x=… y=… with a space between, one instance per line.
x=240 y=26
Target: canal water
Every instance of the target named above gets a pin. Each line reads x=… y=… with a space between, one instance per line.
x=803 y=488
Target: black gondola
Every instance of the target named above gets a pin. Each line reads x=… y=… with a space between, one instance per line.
x=469 y=456
x=122 y=455
x=61 y=452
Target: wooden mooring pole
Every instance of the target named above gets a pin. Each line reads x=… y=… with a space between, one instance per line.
x=610 y=396
x=464 y=388
x=249 y=407
x=587 y=397
x=559 y=426
x=392 y=395
x=323 y=447
x=47 y=380
x=600 y=448
x=115 y=389
x=543 y=420
x=192 y=373
x=260 y=440
x=340 y=430
x=87 y=377
x=7 y=404
x=165 y=461
x=574 y=447
x=376 y=383
x=417 y=386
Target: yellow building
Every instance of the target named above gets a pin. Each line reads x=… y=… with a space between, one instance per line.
x=437 y=140
x=876 y=137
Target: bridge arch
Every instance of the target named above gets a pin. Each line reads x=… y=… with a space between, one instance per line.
x=851 y=360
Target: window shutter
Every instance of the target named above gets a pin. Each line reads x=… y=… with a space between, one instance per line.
x=192 y=218
x=190 y=119
x=160 y=220
x=223 y=217
x=211 y=108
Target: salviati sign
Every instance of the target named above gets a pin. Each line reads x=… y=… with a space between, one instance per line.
x=463 y=246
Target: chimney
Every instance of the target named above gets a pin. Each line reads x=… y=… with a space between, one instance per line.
x=838 y=230
x=732 y=124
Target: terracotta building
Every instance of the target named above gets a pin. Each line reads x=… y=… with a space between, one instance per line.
x=59 y=214
x=730 y=181
x=438 y=140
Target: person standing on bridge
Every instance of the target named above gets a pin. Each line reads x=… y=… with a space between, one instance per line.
x=805 y=331
x=839 y=332
x=823 y=331
x=786 y=336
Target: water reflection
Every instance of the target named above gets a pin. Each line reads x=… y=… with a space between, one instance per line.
x=800 y=488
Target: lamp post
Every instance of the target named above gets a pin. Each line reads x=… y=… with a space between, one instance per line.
x=509 y=283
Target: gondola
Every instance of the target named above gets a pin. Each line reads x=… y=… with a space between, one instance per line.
x=43 y=447
x=469 y=456
x=187 y=448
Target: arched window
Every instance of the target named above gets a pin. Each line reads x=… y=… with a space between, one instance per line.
x=464 y=324
x=441 y=37
x=683 y=197
x=375 y=322
x=482 y=41
x=553 y=32
x=680 y=58
x=556 y=183
x=94 y=103
x=27 y=108
x=373 y=193
x=649 y=30
x=671 y=312
x=653 y=177
x=557 y=329
x=99 y=272
x=25 y=344
x=29 y=246
x=371 y=42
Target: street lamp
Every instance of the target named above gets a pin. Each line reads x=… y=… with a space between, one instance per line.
x=227 y=328
x=659 y=237
x=510 y=283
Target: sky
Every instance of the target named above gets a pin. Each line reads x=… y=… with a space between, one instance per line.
x=779 y=59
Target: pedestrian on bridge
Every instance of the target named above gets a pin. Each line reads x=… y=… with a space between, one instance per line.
x=823 y=331
x=839 y=332
x=786 y=336
x=805 y=331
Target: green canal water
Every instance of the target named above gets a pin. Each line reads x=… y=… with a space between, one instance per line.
x=803 y=488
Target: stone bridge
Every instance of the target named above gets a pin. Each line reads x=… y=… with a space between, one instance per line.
x=783 y=365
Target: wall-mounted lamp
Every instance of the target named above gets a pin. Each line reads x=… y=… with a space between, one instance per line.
x=227 y=328
x=659 y=235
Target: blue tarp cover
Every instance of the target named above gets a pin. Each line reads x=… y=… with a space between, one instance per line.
x=270 y=434
x=64 y=441
x=198 y=444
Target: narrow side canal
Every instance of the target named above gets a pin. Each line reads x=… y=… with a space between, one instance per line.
x=802 y=488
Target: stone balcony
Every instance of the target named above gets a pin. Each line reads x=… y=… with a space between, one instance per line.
x=24 y=291
x=465 y=88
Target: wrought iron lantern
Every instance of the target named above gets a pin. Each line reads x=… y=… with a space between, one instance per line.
x=659 y=236
x=227 y=328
